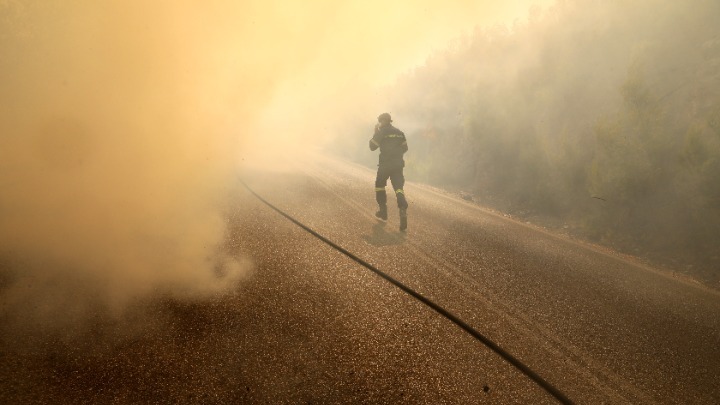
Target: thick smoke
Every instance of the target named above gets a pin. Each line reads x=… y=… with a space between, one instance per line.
x=117 y=149
x=121 y=124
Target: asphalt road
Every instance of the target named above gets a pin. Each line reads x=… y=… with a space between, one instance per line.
x=310 y=325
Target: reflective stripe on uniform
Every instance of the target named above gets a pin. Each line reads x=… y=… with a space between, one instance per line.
x=379 y=188
x=399 y=191
x=394 y=136
x=375 y=142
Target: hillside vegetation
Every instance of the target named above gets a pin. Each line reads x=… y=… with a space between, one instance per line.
x=602 y=117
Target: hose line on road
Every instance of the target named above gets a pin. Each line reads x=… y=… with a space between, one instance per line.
x=437 y=308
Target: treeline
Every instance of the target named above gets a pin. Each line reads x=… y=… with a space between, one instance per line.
x=603 y=116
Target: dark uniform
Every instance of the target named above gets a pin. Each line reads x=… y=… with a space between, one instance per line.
x=393 y=145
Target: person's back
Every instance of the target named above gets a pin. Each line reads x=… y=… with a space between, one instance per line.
x=393 y=145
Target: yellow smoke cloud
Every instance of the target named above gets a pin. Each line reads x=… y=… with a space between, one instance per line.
x=122 y=123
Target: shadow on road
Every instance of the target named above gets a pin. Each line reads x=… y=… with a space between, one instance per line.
x=381 y=237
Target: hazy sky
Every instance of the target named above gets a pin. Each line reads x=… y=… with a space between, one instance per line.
x=375 y=40
x=330 y=45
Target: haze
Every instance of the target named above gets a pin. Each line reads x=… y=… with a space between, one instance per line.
x=122 y=125
x=598 y=119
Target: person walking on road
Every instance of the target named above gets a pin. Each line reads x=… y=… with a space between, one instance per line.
x=393 y=145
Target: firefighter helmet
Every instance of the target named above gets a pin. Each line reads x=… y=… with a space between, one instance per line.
x=384 y=117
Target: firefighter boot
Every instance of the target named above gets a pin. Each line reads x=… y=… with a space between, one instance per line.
x=403 y=219
x=382 y=212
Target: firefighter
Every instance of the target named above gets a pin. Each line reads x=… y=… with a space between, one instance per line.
x=393 y=145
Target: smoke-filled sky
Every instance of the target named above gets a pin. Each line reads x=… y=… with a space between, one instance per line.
x=122 y=123
x=337 y=47
x=246 y=60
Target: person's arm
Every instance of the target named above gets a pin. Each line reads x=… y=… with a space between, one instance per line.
x=404 y=144
x=375 y=141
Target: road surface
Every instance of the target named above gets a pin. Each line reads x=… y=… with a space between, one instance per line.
x=310 y=325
